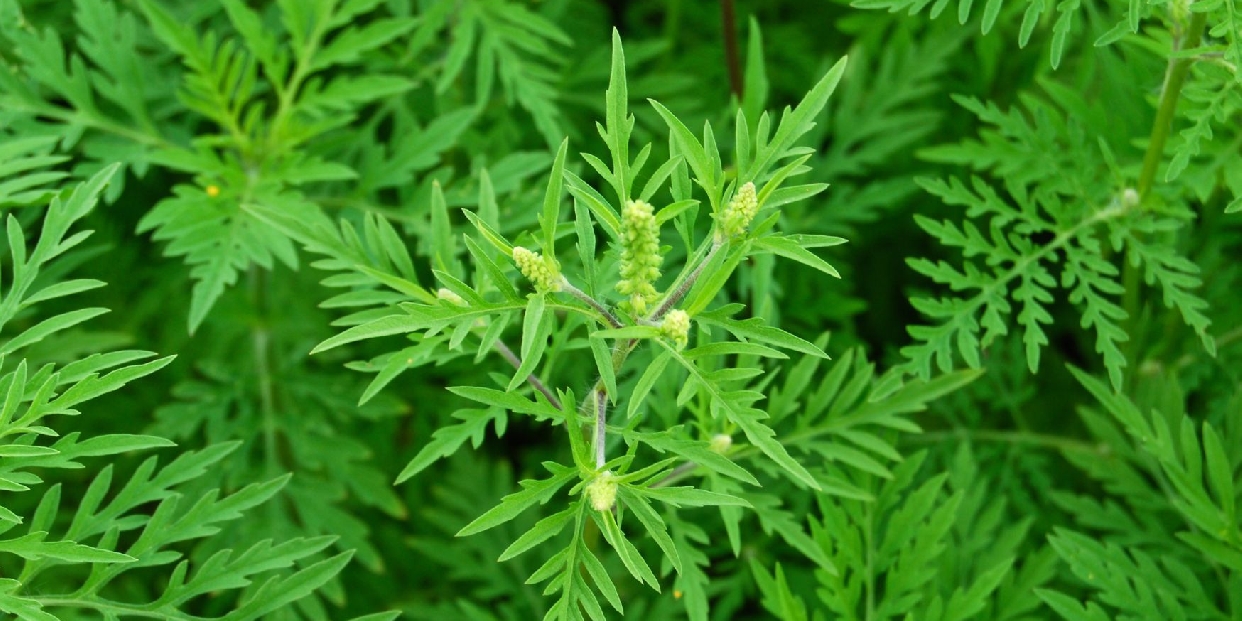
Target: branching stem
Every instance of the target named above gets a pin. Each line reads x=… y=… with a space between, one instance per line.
x=684 y=287
x=609 y=317
x=598 y=398
x=535 y=382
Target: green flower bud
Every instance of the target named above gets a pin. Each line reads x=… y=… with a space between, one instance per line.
x=676 y=327
x=640 y=255
x=738 y=214
x=602 y=491
x=720 y=443
x=541 y=271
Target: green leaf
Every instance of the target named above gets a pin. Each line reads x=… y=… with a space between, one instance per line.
x=542 y=531
x=652 y=522
x=794 y=124
x=747 y=419
x=692 y=497
x=48 y=327
x=628 y=332
x=646 y=381
x=536 y=328
x=697 y=452
x=446 y=440
x=495 y=239
x=384 y=326
x=533 y=492
x=505 y=399
x=690 y=148
x=603 y=363
x=552 y=198
x=791 y=249
x=32 y=547
x=755 y=329
x=630 y=557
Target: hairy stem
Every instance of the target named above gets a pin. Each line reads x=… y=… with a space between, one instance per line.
x=535 y=382
x=609 y=317
x=598 y=398
x=676 y=474
x=601 y=427
x=684 y=287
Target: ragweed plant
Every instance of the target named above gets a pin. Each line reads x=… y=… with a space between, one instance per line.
x=611 y=474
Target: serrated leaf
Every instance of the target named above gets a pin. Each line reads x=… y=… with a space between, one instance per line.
x=533 y=492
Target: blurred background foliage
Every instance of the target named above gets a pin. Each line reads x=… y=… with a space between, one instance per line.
x=1032 y=487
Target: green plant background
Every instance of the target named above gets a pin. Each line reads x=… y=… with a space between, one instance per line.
x=1013 y=394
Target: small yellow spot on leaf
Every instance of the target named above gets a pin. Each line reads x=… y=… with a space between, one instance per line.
x=676 y=594
x=213 y=190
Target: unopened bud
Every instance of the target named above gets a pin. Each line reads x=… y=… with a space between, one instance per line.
x=720 y=443
x=602 y=491
x=738 y=214
x=676 y=327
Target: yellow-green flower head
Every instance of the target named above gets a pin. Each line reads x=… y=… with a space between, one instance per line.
x=602 y=491
x=676 y=327
x=640 y=255
x=738 y=214
x=720 y=443
x=452 y=298
x=541 y=271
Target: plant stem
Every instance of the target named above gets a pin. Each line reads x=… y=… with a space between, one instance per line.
x=1165 y=112
x=1176 y=77
x=535 y=382
x=601 y=427
x=102 y=605
x=676 y=474
x=610 y=318
x=260 y=338
x=598 y=398
x=728 y=23
x=684 y=287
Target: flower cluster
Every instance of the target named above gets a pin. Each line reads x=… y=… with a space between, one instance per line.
x=738 y=214
x=602 y=491
x=676 y=327
x=541 y=271
x=640 y=255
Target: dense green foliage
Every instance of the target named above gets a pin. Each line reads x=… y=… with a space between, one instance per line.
x=511 y=310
